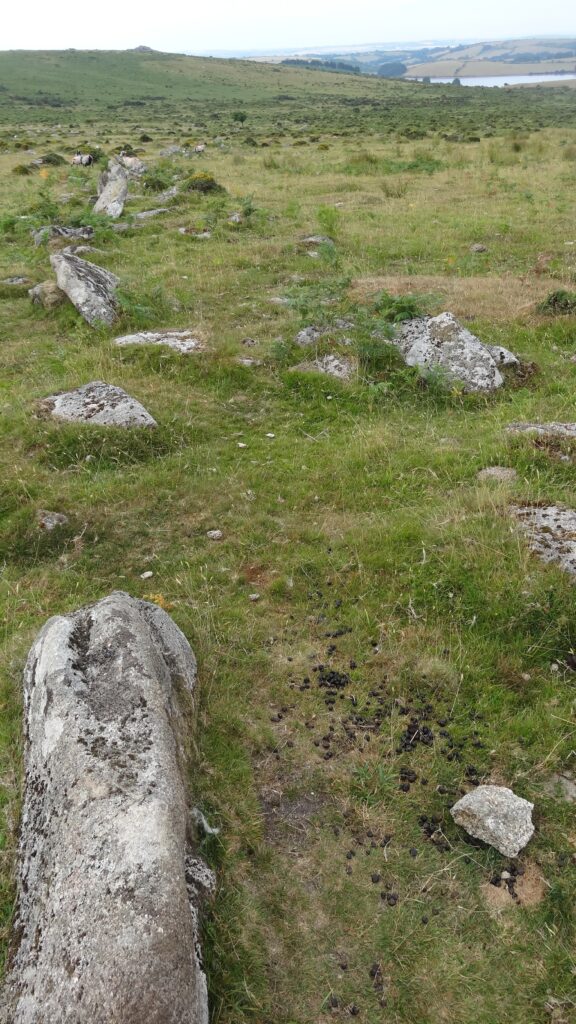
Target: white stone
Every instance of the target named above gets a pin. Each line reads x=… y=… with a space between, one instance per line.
x=214 y=534
x=98 y=403
x=109 y=887
x=497 y=816
x=179 y=340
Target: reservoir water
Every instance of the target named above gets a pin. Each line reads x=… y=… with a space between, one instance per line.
x=495 y=81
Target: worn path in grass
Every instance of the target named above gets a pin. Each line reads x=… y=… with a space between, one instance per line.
x=404 y=642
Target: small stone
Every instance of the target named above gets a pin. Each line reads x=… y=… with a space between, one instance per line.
x=47 y=294
x=50 y=520
x=146 y=575
x=254 y=597
x=214 y=534
x=478 y=247
x=497 y=816
x=501 y=474
x=241 y=444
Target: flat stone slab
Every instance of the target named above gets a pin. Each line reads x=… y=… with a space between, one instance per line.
x=112 y=190
x=98 y=403
x=497 y=816
x=90 y=288
x=147 y=214
x=545 y=429
x=500 y=474
x=332 y=366
x=561 y=785
x=551 y=533
x=441 y=341
x=106 y=924
x=180 y=341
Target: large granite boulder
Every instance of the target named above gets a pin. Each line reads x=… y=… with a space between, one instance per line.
x=90 y=288
x=442 y=342
x=112 y=190
x=106 y=925
x=497 y=816
x=99 y=403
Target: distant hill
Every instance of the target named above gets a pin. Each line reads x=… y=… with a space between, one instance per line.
x=201 y=95
x=511 y=56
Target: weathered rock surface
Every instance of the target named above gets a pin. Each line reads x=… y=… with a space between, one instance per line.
x=551 y=429
x=497 y=816
x=502 y=356
x=477 y=247
x=318 y=240
x=50 y=520
x=147 y=214
x=16 y=281
x=181 y=341
x=47 y=294
x=90 y=288
x=99 y=403
x=106 y=924
x=501 y=474
x=308 y=336
x=112 y=190
x=441 y=341
x=333 y=366
x=133 y=165
x=551 y=533
x=561 y=785
x=56 y=231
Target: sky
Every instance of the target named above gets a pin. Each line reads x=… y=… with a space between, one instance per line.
x=183 y=26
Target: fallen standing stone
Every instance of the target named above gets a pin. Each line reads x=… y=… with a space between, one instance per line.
x=497 y=816
x=181 y=341
x=98 y=403
x=90 y=288
x=106 y=925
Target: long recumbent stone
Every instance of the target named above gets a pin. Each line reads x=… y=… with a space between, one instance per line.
x=105 y=929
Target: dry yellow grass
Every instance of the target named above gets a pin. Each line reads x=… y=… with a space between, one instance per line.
x=501 y=297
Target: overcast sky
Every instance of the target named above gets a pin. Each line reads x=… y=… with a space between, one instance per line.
x=196 y=27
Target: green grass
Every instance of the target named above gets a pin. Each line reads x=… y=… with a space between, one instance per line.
x=360 y=524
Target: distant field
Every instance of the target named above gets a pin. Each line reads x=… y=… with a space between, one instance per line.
x=470 y=68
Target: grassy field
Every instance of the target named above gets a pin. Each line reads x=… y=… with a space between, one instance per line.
x=395 y=594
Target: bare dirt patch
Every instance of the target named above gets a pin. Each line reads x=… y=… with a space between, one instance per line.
x=530 y=889
x=502 y=297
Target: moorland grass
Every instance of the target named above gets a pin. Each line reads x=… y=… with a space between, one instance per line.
x=361 y=525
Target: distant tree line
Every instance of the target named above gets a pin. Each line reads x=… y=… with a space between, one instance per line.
x=324 y=65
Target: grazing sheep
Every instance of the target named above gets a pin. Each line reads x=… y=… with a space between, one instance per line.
x=82 y=159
